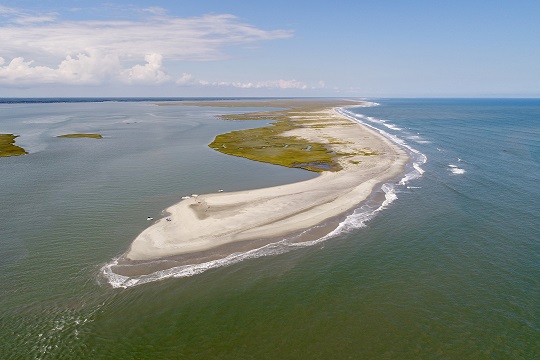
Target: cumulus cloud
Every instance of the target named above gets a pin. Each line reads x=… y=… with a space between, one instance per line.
x=42 y=49
x=272 y=84
x=93 y=68
x=20 y=70
x=89 y=68
x=190 y=80
x=151 y=72
x=187 y=79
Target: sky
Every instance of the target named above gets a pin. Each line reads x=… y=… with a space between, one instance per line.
x=280 y=48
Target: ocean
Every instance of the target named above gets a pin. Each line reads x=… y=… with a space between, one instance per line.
x=447 y=267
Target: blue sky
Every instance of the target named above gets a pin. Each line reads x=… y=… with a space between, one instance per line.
x=384 y=48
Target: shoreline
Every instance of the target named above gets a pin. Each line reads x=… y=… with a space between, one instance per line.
x=210 y=226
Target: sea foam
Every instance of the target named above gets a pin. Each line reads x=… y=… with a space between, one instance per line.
x=454 y=169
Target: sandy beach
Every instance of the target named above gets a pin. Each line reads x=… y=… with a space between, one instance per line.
x=210 y=221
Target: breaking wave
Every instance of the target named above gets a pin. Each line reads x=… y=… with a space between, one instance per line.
x=454 y=169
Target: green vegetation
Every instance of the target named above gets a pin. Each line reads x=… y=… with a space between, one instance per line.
x=270 y=144
x=274 y=144
x=8 y=147
x=93 y=136
x=266 y=145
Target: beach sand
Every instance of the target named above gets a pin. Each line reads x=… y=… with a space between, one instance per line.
x=228 y=222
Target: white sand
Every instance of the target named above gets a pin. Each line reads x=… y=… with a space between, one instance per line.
x=207 y=221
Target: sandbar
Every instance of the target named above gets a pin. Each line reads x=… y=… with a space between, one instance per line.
x=201 y=223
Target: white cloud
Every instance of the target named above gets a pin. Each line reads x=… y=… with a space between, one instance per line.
x=81 y=69
x=151 y=72
x=186 y=79
x=190 y=80
x=155 y=10
x=198 y=38
x=38 y=48
x=96 y=68
x=5 y=11
x=24 y=17
x=93 y=68
x=35 y=19
x=272 y=84
x=18 y=70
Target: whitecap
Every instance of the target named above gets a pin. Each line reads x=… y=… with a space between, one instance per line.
x=392 y=126
x=454 y=169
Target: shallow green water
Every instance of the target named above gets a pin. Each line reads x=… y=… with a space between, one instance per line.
x=449 y=270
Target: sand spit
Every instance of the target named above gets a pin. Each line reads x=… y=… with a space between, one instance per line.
x=205 y=222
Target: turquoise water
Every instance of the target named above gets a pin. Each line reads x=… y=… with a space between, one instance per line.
x=450 y=269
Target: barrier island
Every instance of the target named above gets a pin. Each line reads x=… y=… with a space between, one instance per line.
x=351 y=159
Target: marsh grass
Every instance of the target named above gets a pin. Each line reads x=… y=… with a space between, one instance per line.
x=8 y=147
x=92 y=136
x=270 y=144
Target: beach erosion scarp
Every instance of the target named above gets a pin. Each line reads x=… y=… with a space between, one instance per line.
x=211 y=226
